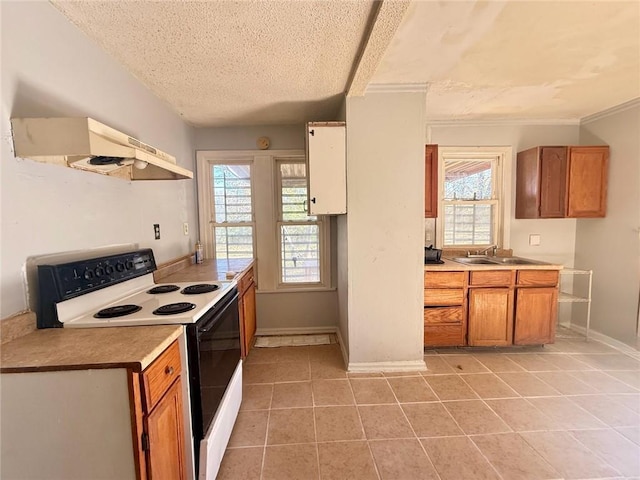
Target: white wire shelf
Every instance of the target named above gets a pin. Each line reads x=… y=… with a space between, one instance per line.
x=571 y=298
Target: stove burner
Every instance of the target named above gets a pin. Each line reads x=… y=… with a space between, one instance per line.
x=164 y=289
x=117 y=311
x=199 y=288
x=173 y=308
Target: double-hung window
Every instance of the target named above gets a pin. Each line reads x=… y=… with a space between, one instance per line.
x=300 y=235
x=232 y=222
x=471 y=198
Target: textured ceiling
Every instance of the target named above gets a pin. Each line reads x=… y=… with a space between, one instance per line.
x=518 y=59
x=259 y=62
x=248 y=62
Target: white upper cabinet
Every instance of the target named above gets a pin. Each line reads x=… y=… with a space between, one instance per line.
x=327 y=168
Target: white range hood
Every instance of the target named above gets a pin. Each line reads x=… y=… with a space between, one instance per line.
x=86 y=144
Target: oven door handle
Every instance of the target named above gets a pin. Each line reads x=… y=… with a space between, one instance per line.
x=211 y=323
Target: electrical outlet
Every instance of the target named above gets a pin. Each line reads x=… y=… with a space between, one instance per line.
x=185 y=228
x=534 y=239
x=156 y=230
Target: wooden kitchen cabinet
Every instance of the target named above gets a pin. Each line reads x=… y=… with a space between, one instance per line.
x=562 y=182
x=326 y=145
x=247 y=308
x=490 y=316
x=445 y=307
x=536 y=307
x=430 y=181
x=491 y=295
x=160 y=444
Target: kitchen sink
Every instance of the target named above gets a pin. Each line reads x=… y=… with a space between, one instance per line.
x=473 y=261
x=516 y=261
x=497 y=261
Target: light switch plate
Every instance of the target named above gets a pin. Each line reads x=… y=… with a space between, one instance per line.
x=534 y=239
x=185 y=228
x=156 y=230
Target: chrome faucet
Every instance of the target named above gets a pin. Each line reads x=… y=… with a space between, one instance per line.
x=480 y=253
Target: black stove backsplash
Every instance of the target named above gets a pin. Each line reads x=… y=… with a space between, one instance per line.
x=61 y=282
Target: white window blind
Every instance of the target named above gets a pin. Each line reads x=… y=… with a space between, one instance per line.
x=299 y=234
x=233 y=211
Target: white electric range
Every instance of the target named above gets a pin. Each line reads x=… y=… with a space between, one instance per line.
x=119 y=291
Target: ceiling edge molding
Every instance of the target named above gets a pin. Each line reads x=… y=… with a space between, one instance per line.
x=383 y=27
x=503 y=122
x=610 y=111
x=396 y=88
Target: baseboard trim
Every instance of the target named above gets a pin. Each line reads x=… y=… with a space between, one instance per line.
x=401 y=366
x=265 y=332
x=602 y=338
x=345 y=354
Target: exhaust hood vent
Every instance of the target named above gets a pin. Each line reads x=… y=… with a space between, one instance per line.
x=86 y=144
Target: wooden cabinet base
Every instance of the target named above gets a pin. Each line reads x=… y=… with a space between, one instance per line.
x=444 y=335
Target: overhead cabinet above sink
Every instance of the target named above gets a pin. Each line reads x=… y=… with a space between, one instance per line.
x=562 y=182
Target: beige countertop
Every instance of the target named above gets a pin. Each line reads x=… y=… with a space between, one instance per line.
x=208 y=271
x=450 y=265
x=87 y=348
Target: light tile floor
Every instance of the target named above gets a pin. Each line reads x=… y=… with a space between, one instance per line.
x=569 y=410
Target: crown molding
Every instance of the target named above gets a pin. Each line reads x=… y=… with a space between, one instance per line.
x=396 y=88
x=503 y=122
x=611 y=111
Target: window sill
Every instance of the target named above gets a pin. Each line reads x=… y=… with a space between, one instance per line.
x=299 y=290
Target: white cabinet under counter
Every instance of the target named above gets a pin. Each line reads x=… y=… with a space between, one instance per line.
x=327 y=168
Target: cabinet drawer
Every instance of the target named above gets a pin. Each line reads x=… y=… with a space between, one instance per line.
x=443 y=296
x=246 y=280
x=444 y=335
x=538 y=277
x=159 y=376
x=444 y=279
x=492 y=278
x=436 y=315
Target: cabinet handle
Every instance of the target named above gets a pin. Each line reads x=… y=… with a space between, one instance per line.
x=313 y=200
x=169 y=370
x=312 y=132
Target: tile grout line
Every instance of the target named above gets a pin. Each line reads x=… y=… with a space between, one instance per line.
x=364 y=433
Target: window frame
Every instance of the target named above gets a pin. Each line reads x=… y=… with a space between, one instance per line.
x=206 y=203
x=264 y=198
x=501 y=176
x=320 y=221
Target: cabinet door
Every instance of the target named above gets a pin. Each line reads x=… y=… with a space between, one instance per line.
x=587 y=181
x=536 y=315
x=326 y=168
x=490 y=316
x=430 y=181
x=553 y=179
x=165 y=456
x=528 y=184
x=249 y=316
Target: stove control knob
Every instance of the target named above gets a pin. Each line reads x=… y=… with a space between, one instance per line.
x=109 y=269
x=129 y=265
x=88 y=274
x=120 y=267
x=99 y=271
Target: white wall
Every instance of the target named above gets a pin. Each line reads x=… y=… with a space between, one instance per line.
x=611 y=245
x=49 y=68
x=385 y=178
x=557 y=235
x=283 y=137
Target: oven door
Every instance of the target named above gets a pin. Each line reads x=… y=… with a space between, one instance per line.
x=214 y=353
